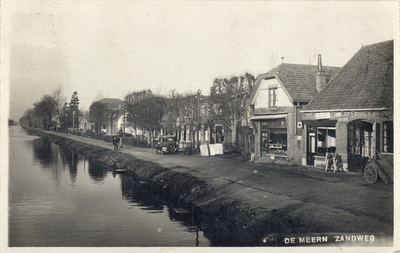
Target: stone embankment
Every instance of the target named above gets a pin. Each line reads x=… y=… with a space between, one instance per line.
x=234 y=213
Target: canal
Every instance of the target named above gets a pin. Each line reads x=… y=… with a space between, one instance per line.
x=59 y=198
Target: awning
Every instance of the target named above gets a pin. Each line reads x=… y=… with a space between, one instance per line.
x=269 y=116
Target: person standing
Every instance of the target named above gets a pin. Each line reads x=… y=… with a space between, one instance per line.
x=115 y=142
x=120 y=142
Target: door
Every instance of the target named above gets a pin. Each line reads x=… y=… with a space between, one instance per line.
x=311 y=144
x=359 y=144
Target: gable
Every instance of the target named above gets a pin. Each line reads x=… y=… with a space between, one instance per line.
x=297 y=80
x=261 y=99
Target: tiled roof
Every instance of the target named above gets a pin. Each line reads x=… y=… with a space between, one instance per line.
x=112 y=103
x=365 y=82
x=298 y=79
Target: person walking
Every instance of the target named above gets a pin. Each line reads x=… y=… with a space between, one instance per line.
x=115 y=142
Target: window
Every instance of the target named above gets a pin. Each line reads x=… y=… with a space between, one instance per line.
x=326 y=140
x=388 y=137
x=274 y=140
x=272 y=98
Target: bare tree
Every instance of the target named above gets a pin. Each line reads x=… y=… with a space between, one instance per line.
x=229 y=101
x=60 y=100
x=131 y=106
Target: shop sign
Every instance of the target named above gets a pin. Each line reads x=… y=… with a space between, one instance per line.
x=323 y=115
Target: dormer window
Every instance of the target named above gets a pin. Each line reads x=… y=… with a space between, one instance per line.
x=272 y=97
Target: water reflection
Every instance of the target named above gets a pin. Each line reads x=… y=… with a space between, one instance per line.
x=98 y=171
x=49 y=154
x=59 y=198
x=154 y=200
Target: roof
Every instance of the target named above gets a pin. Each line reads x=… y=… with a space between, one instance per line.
x=365 y=82
x=297 y=79
x=112 y=103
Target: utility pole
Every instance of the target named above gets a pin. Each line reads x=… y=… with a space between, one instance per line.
x=73 y=121
x=123 y=134
x=198 y=119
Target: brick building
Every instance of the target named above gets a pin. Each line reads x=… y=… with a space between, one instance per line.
x=275 y=103
x=353 y=115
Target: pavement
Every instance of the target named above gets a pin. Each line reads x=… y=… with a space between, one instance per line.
x=346 y=195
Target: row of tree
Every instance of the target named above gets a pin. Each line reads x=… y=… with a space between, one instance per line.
x=227 y=105
x=52 y=111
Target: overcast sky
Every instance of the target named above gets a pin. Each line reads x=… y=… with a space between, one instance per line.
x=116 y=47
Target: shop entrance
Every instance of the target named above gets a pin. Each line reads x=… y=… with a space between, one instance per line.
x=360 y=144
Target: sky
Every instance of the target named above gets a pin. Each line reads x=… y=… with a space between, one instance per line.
x=111 y=48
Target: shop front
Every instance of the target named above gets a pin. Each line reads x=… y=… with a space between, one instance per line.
x=352 y=117
x=275 y=139
x=320 y=140
x=356 y=136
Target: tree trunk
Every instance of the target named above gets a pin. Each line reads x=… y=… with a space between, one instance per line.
x=233 y=128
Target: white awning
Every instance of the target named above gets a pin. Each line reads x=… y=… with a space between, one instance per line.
x=268 y=116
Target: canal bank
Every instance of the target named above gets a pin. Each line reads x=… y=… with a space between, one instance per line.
x=245 y=204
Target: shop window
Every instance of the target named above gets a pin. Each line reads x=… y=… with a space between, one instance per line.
x=275 y=141
x=388 y=137
x=272 y=98
x=326 y=140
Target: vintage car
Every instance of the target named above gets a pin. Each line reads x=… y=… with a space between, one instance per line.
x=167 y=144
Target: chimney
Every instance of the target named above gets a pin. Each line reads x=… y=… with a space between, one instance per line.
x=320 y=76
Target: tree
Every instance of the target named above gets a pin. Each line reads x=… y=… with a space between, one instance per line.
x=73 y=109
x=174 y=112
x=60 y=99
x=149 y=113
x=98 y=114
x=74 y=100
x=45 y=109
x=70 y=112
x=131 y=102
x=11 y=122
x=29 y=118
x=229 y=101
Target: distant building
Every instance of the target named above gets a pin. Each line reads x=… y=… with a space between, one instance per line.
x=275 y=104
x=114 y=107
x=353 y=115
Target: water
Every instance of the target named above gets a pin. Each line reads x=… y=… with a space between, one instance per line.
x=59 y=198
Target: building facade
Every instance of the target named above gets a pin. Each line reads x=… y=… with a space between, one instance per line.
x=275 y=104
x=353 y=115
